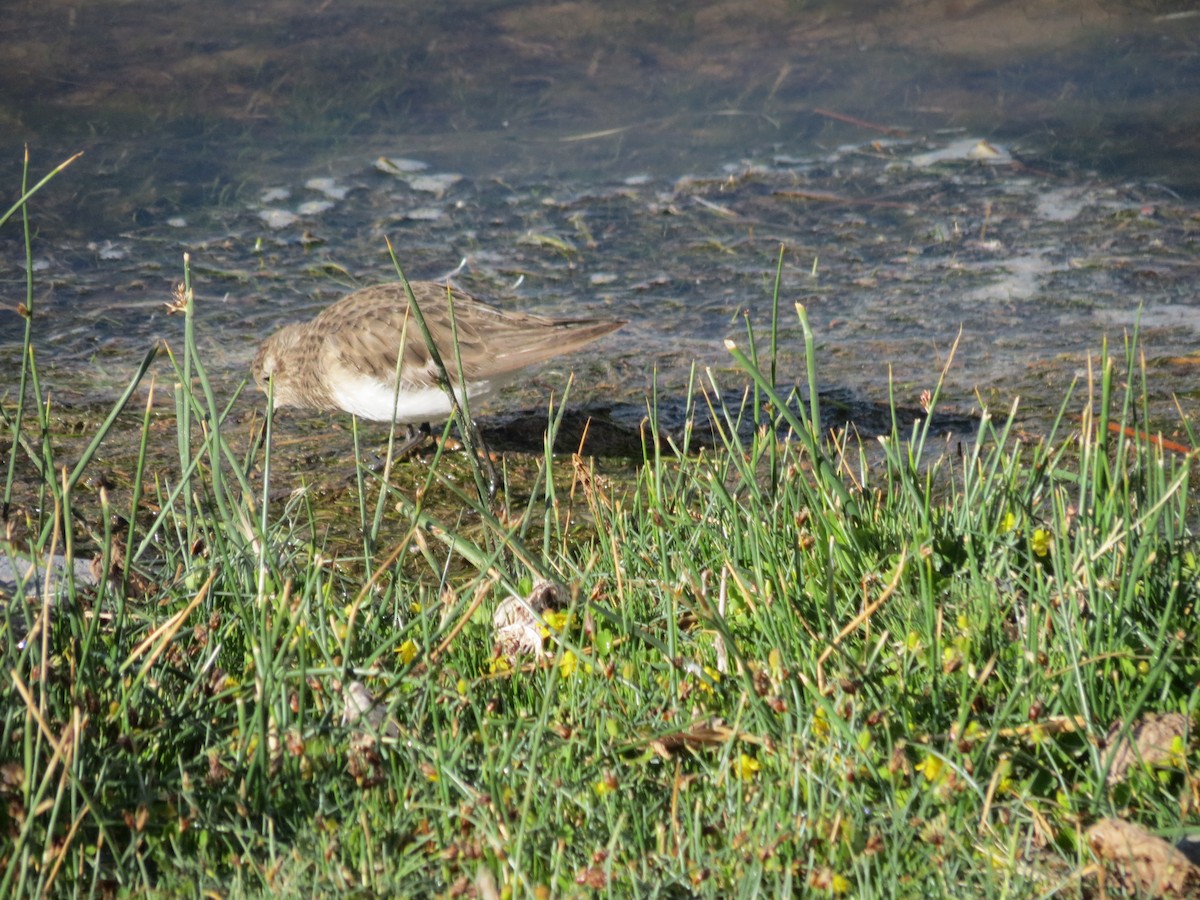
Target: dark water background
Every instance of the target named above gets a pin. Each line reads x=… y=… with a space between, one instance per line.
x=620 y=158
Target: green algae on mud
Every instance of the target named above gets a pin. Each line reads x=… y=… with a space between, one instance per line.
x=313 y=474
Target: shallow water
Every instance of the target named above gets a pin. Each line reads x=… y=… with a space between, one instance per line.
x=610 y=159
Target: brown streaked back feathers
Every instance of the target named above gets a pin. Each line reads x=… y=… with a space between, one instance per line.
x=362 y=334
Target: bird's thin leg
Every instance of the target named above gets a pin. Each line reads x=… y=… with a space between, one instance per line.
x=410 y=442
x=414 y=437
x=489 y=468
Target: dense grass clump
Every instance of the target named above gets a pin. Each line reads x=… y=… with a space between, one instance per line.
x=789 y=663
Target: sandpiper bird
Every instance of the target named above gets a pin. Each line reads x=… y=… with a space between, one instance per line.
x=349 y=356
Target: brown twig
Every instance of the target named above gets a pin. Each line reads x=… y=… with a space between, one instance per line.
x=861 y=123
x=823 y=197
x=858 y=620
x=1149 y=438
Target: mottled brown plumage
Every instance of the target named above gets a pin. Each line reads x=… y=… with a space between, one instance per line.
x=346 y=358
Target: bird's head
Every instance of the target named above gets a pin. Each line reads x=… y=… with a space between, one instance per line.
x=276 y=360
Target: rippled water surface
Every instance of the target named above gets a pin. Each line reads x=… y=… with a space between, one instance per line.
x=1020 y=177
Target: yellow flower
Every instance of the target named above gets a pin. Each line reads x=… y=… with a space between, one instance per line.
x=300 y=634
x=974 y=731
x=1040 y=541
x=1178 y=751
x=556 y=620
x=775 y=664
x=746 y=767
x=570 y=664
x=714 y=676
x=408 y=651
x=839 y=885
x=1004 y=782
x=1008 y=523
x=820 y=724
x=951 y=658
x=932 y=767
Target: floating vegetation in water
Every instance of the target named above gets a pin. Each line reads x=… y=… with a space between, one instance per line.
x=969 y=150
x=399 y=167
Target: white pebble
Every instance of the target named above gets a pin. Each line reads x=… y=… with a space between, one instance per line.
x=277 y=218
x=314 y=207
x=434 y=184
x=328 y=187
